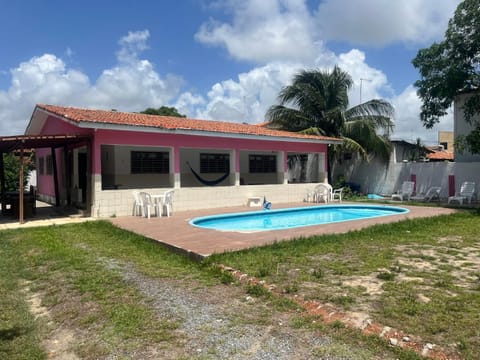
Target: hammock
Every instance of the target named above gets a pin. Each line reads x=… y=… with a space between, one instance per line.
x=209 y=182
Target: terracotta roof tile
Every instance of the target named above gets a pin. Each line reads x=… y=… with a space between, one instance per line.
x=170 y=122
x=441 y=155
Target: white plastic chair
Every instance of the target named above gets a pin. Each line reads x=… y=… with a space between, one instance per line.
x=337 y=194
x=167 y=202
x=310 y=197
x=467 y=191
x=406 y=191
x=147 y=203
x=322 y=193
x=432 y=194
x=137 y=204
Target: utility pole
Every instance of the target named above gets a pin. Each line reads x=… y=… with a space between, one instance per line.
x=361 y=82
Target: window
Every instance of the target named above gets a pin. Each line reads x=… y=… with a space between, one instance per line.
x=41 y=165
x=445 y=145
x=262 y=163
x=214 y=163
x=149 y=162
x=49 y=162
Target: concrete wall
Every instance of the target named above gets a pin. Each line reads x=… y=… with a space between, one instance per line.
x=376 y=178
x=110 y=203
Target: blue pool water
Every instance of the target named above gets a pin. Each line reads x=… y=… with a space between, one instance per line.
x=293 y=217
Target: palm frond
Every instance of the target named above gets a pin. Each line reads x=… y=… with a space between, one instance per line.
x=364 y=131
x=317 y=103
x=313 y=131
x=351 y=146
x=380 y=112
x=284 y=118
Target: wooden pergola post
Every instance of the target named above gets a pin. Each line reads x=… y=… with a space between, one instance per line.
x=20 y=190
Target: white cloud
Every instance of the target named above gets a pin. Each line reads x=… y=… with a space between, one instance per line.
x=132 y=45
x=290 y=44
x=381 y=22
x=287 y=30
x=408 y=126
x=247 y=98
x=39 y=80
x=187 y=102
x=371 y=82
x=132 y=85
x=264 y=30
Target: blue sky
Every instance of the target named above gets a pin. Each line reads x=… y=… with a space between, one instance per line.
x=221 y=60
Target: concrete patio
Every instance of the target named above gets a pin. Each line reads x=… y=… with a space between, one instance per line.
x=176 y=232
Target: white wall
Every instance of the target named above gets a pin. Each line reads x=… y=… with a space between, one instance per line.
x=376 y=178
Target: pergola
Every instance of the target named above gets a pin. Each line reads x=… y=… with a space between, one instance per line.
x=21 y=143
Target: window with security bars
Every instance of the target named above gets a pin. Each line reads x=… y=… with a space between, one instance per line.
x=149 y=162
x=214 y=163
x=262 y=163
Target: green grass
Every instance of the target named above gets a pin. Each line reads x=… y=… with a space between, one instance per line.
x=324 y=263
x=62 y=263
x=77 y=271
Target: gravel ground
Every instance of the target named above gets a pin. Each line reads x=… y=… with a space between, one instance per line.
x=222 y=322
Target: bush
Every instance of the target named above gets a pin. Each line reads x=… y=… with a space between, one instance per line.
x=11 y=164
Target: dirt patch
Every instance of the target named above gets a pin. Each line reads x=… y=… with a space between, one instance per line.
x=58 y=342
x=463 y=263
x=371 y=284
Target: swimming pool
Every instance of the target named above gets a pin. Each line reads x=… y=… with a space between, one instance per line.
x=293 y=217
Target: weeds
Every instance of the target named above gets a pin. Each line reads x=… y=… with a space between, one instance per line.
x=419 y=292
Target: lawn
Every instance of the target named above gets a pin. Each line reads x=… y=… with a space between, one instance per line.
x=68 y=282
x=421 y=276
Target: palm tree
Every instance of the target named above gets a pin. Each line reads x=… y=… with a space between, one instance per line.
x=319 y=105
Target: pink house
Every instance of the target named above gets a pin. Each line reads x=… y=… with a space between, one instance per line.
x=208 y=163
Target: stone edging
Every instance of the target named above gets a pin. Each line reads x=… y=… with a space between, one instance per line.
x=367 y=326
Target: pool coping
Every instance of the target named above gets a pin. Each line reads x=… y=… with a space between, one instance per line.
x=294 y=210
x=176 y=232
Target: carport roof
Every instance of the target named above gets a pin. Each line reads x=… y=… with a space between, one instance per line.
x=15 y=142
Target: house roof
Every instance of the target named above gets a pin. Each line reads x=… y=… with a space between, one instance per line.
x=102 y=118
x=441 y=156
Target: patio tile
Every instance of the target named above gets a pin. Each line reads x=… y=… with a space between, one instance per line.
x=176 y=232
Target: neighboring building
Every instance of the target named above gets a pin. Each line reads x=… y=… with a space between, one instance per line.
x=119 y=152
x=446 y=140
x=462 y=128
x=438 y=153
x=403 y=151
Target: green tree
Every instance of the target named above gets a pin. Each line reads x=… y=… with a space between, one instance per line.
x=451 y=67
x=11 y=163
x=317 y=103
x=163 y=110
